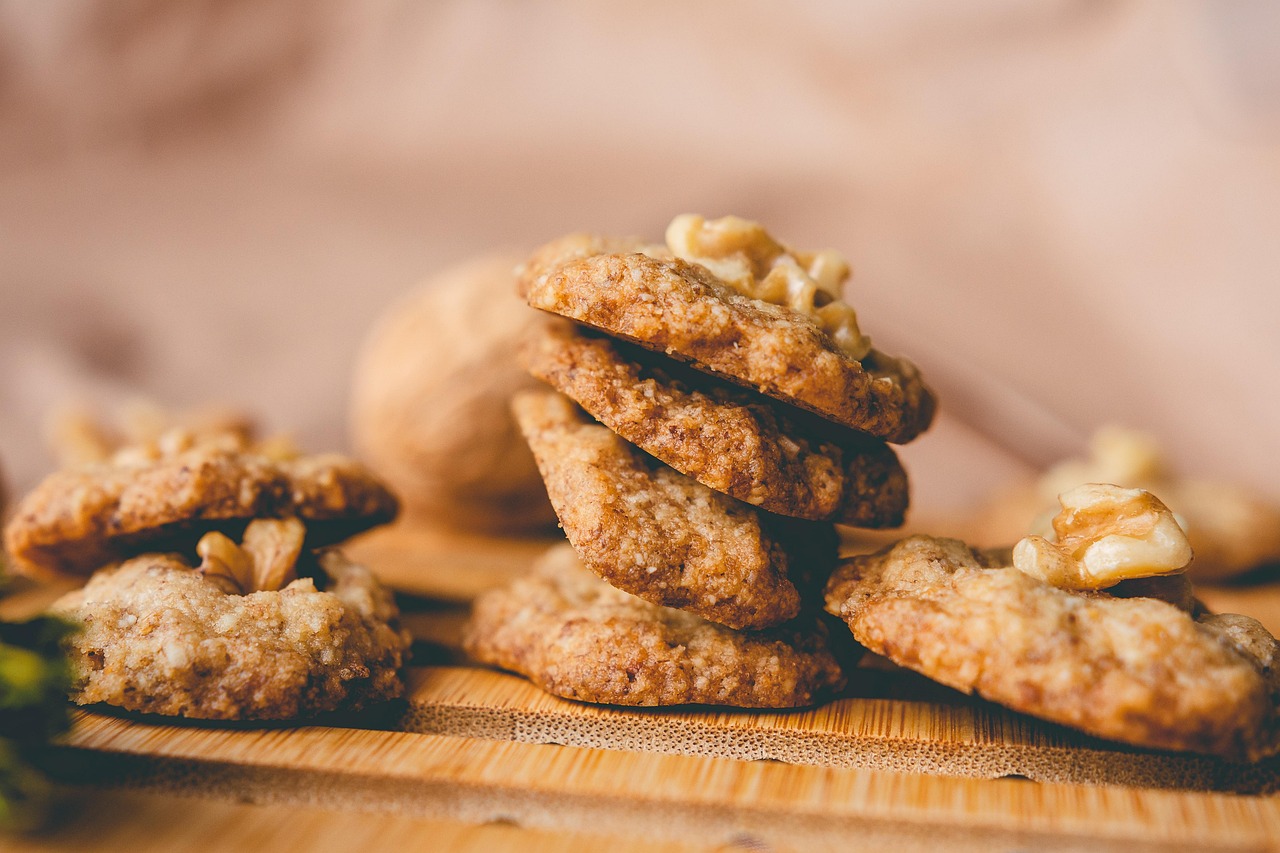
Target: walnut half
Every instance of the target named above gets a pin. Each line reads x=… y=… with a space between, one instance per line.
x=1105 y=534
x=266 y=559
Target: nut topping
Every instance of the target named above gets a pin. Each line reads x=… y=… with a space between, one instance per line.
x=1104 y=535
x=266 y=559
x=744 y=256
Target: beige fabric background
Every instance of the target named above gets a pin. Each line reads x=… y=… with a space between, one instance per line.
x=1066 y=212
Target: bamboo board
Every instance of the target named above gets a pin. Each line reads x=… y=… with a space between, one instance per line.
x=756 y=805
x=899 y=762
x=964 y=740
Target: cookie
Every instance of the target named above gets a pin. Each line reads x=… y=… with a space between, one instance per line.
x=655 y=533
x=731 y=440
x=578 y=637
x=1136 y=670
x=165 y=496
x=683 y=309
x=159 y=637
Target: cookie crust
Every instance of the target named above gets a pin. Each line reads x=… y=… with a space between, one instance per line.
x=576 y=636
x=725 y=438
x=79 y=519
x=159 y=638
x=655 y=533
x=683 y=310
x=1135 y=670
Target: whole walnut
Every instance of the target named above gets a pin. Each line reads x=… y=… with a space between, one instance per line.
x=430 y=405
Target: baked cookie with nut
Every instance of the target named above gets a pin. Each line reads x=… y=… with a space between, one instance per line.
x=239 y=636
x=726 y=297
x=1093 y=629
x=576 y=636
x=164 y=494
x=774 y=457
x=657 y=534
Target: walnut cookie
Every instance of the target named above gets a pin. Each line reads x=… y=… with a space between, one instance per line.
x=729 y=299
x=655 y=533
x=159 y=637
x=166 y=494
x=1132 y=669
x=726 y=438
x=578 y=637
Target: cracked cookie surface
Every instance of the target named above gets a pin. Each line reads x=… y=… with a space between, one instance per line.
x=653 y=532
x=578 y=637
x=726 y=438
x=1136 y=670
x=159 y=638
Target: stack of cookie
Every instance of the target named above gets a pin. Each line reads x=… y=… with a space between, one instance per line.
x=211 y=593
x=716 y=412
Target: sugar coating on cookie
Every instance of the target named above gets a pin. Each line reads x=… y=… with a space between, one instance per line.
x=165 y=497
x=578 y=637
x=651 y=297
x=1136 y=670
x=159 y=638
x=748 y=447
x=653 y=532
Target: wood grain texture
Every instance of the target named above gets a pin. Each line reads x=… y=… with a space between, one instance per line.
x=147 y=822
x=666 y=797
x=971 y=739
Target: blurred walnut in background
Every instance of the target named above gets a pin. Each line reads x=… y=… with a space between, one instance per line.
x=430 y=405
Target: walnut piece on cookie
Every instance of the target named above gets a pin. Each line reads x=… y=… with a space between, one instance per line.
x=1104 y=535
x=774 y=323
x=746 y=446
x=655 y=533
x=166 y=494
x=1231 y=529
x=576 y=636
x=1136 y=670
x=159 y=637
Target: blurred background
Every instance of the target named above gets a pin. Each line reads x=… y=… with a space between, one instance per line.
x=1066 y=212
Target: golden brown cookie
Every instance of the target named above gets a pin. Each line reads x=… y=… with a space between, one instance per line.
x=161 y=638
x=1136 y=670
x=164 y=496
x=655 y=533
x=578 y=637
x=685 y=310
x=767 y=455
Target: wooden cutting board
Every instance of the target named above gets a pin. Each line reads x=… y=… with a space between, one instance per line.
x=896 y=763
